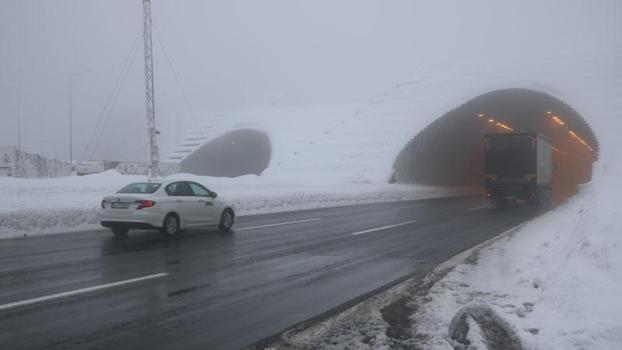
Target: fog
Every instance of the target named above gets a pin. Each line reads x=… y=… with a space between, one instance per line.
x=241 y=54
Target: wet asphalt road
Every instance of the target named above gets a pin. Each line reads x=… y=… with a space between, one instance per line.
x=227 y=290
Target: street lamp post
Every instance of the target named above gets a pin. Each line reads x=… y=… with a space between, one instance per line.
x=71 y=113
x=17 y=95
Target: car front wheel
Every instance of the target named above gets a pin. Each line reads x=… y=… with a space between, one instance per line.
x=226 y=220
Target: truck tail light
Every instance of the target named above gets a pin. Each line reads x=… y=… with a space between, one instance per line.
x=145 y=204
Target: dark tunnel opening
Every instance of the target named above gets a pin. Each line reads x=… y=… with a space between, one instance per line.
x=450 y=151
x=237 y=153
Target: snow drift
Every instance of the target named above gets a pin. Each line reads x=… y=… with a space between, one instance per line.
x=556 y=281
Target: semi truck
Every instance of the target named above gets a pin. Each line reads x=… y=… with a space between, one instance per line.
x=518 y=168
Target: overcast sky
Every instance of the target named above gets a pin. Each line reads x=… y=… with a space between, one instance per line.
x=239 y=54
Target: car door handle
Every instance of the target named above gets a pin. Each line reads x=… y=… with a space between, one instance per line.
x=180 y=201
x=201 y=201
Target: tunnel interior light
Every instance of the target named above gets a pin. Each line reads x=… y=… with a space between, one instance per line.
x=503 y=126
x=558 y=120
x=495 y=122
x=578 y=138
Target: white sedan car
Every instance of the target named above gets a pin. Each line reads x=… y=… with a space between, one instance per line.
x=169 y=206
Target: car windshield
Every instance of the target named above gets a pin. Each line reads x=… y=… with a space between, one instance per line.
x=142 y=187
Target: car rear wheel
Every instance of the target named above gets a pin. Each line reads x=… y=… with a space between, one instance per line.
x=119 y=230
x=226 y=220
x=171 y=225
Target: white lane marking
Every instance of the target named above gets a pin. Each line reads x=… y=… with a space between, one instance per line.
x=478 y=208
x=278 y=224
x=77 y=292
x=410 y=206
x=385 y=227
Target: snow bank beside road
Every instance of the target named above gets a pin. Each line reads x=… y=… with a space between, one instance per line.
x=38 y=206
x=557 y=281
x=41 y=206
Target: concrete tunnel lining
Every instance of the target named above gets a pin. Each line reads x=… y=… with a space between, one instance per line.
x=236 y=153
x=449 y=151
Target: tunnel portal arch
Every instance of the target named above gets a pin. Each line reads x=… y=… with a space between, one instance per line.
x=449 y=151
x=236 y=153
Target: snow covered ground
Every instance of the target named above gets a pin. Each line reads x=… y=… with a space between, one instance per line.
x=43 y=206
x=557 y=281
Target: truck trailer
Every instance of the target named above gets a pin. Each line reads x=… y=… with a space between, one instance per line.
x=518 y=168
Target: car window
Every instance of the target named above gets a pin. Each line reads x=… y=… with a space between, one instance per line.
x=199 y=190
x=177 y=189
x=143 y=187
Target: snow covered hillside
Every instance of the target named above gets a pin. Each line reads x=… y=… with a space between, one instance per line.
x=359 y=142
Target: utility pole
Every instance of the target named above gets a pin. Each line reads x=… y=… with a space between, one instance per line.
x=154 y=154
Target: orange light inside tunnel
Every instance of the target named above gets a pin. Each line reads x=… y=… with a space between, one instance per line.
x=498 y=124
x=573 y=134
x=503 y=126
x=558 y=120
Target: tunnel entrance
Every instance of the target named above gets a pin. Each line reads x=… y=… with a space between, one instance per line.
x=450 y=151
x=237 y=153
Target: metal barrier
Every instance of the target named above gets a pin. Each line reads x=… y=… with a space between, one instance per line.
x=142 y=168
x=16 y=163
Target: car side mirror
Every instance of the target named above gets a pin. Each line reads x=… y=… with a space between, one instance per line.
x=214 y=195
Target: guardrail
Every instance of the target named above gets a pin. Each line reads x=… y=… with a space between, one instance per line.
x=141 y=168
x=17 y=163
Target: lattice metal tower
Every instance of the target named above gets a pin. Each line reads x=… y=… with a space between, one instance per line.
x=154 y=153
